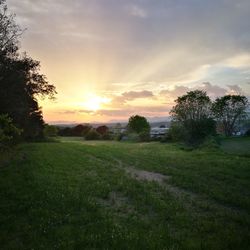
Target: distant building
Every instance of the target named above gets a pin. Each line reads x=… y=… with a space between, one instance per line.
x=157 y=132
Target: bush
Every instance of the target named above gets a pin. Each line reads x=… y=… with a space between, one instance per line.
x=247 y=133
x=198 y=131
x=8 y=132
x=50 y=131
x=133 y=137
x=176 y=133
x=92 y=135
x=210 y=142
x=144 y=136
x=106 y=137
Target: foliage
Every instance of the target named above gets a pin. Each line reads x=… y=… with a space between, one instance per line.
x=144 y=136
x=50 y=130
x=80 y=130
x=210 y=143
x=20 y=82
x=195 y=105
x=102 y=130
x=65 y=131
x=247 y=132
x=198 y=130
x=92 y=135
x=230 y=110
x=138 y=124
x=192 y=120
x=8 y=132
x=176 y=132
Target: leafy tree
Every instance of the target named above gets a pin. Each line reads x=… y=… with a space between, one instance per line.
x=20 y=81
x=138 y=124
x=195 y=105
x=192 y=117
x=229 y=111
x=8 y=132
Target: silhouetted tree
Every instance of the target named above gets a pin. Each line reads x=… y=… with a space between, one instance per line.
x=229 y=111
x=20 y=81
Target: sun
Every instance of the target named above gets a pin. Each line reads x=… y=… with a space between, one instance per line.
x=94 y=102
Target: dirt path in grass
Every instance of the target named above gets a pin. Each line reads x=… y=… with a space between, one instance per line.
x=186 y=196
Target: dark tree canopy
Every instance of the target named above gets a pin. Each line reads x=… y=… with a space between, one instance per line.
x=229 y=110
x=20 y=81
x=138 y=124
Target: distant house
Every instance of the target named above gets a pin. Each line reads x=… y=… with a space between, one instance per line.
x=157 y=132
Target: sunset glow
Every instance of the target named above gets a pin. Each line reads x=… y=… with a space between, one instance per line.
x=93 y=102
x=111 y=59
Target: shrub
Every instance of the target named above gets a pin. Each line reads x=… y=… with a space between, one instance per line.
x=106 y=137
x=247 y=133
x=50 y=131
x=92 y=135
x=198 y=130
x=176 y=133
x=210 y=143
x=144 y=136
x=8 y=132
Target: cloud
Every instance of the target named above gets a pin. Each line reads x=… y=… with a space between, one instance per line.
x=235 y=90
x=212 y=90
x=132 y=95
x=137 y=11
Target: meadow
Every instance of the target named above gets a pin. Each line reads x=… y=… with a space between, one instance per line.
x=75 y=194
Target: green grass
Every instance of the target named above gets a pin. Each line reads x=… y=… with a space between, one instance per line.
x=79 y=195
x=238 y=145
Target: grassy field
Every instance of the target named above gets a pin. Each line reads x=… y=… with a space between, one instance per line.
x=110 y=195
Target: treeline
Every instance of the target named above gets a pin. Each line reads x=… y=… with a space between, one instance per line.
x=86 y=131
x=195 y=117
x=21 y=85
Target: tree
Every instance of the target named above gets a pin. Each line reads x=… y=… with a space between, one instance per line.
x=80 y=130
x=92 y=135
x=229 y=111
x=8 y=132
x=9 y=32
x=102 y=130
x=192 y=113
x=138 y=124
x=20 y=81
x=194 y=105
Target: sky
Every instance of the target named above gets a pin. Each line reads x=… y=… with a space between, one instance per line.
x=110 y=59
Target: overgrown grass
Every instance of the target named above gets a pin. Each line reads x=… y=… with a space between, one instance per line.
x=80 y=196
x=237 y=145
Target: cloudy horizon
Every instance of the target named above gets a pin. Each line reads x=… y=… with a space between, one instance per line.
x=110 y=59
